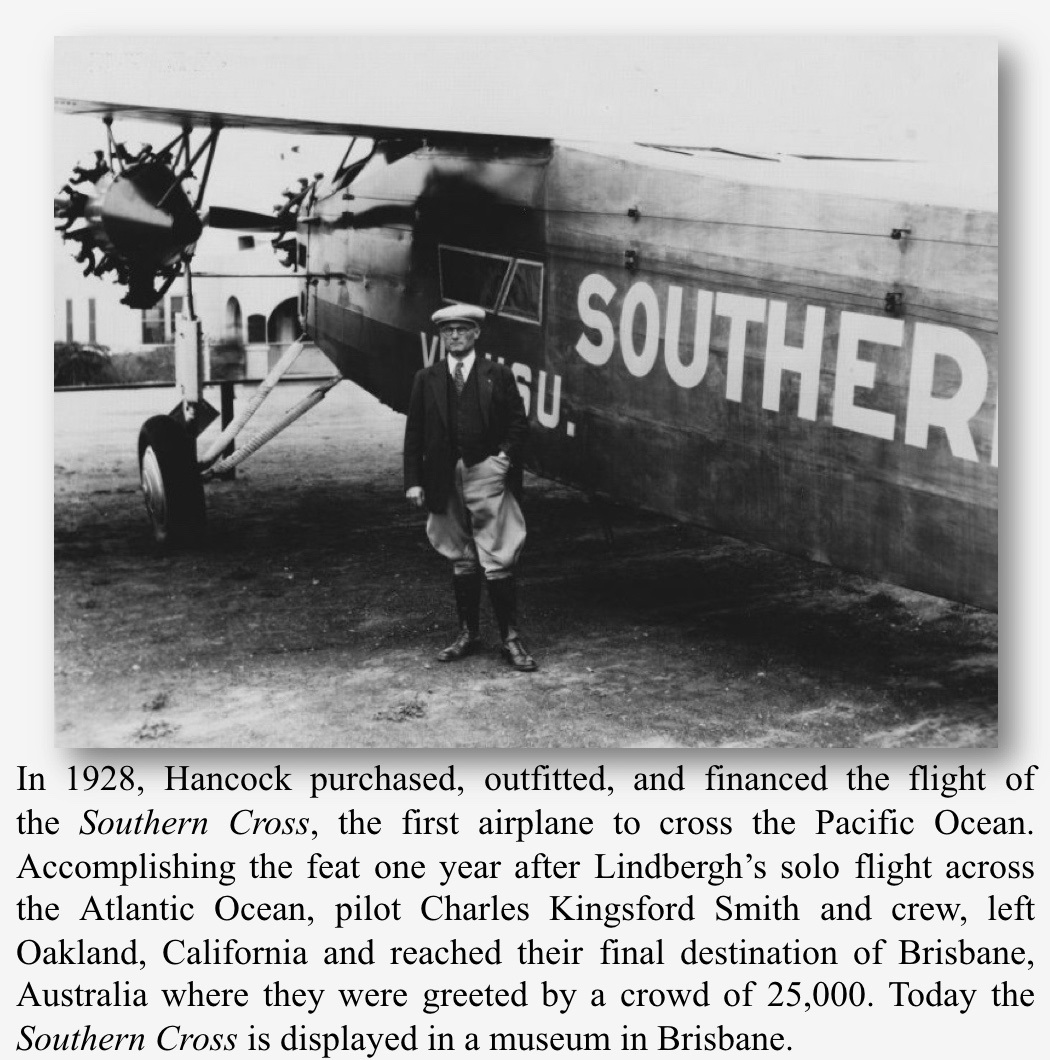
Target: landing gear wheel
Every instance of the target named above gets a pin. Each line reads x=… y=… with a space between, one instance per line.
x=171 y=482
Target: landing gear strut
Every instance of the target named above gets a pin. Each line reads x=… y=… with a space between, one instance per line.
x=171 y=472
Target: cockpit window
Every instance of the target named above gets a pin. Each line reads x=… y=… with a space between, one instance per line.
x=511 y=287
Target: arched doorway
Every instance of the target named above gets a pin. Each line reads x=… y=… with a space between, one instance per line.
x=283 y=325
x=284 y=328
x=232 y=329
x=226 y=354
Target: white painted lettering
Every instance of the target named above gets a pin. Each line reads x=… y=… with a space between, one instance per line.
x=596 y=353
x=851 y=372
x=687 y=375
x=741 y=310
x=952 y=413
x=523 y=377
x=804 y=361
x=548 y=417
x=639 y=336
x=640 y=296
x=429 y=351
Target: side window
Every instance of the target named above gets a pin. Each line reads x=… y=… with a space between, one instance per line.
x=174 y=309
x=256 y=328
x=510 y=287
x=153 y=330
x=524 y=297
x=473 y=277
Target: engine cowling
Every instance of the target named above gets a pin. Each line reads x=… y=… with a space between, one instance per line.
x=147 y=217
x=140 y=223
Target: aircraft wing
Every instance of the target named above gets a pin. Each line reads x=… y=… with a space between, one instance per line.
x=205 y=119
x=208 y=119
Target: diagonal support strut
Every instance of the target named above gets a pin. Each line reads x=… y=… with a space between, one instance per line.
x=265 y=387
x=258 y=440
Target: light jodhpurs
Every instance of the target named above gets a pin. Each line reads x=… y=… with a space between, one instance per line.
x=482 y=524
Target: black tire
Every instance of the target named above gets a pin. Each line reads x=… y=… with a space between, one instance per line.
x=171 y=482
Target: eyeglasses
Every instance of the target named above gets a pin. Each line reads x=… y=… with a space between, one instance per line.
x=457 y=329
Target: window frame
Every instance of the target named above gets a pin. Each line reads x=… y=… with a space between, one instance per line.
x=175 y=306
x=500 y=300
x=157 y=322
x=506 y=292
x=260 y=318
x=507 y=270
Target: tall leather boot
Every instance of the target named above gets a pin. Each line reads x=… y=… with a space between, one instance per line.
x=503 y=592
x=467 y=589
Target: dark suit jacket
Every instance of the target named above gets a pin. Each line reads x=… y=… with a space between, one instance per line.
x=428 y=443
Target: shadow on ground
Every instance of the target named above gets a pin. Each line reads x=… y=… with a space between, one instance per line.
x=311 y=618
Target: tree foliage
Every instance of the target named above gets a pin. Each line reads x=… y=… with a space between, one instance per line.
x=83 y=364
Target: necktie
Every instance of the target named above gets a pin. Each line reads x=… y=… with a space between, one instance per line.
x=457 y=377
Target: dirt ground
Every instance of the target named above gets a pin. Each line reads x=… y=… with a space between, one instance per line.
x=312 y=617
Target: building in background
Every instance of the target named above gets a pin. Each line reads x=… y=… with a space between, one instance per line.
x=247 y=302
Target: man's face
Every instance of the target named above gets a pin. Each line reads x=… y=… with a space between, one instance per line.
x=459 y=338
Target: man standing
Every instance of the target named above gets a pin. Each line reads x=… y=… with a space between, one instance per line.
x=464 y=439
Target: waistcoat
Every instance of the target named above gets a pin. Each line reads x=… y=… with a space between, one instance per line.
x=467 y=427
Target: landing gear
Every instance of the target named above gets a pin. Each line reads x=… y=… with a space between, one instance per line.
x=172 y=474
x=168 y=468
x=171 y=482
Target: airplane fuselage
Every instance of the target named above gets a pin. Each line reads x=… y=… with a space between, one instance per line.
x=812 y=370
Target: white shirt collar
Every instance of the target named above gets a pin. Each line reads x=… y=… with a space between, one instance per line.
x=467 y=362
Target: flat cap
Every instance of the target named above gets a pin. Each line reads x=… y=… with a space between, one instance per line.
x=472 y=314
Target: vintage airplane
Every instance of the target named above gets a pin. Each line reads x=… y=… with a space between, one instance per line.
x=796 y=351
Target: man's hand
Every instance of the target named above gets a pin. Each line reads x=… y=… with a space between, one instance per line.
x=415 y=496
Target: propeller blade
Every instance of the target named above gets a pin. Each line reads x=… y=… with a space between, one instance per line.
x=244 y=220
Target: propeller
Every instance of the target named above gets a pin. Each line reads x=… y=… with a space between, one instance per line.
x=140 y=221
x=244 y=220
